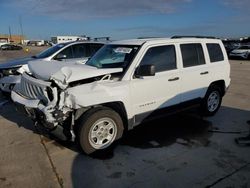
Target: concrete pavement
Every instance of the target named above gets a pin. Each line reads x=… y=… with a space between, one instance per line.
x=183 y=150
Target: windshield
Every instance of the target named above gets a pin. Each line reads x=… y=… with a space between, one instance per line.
x=50 y=51
x=114 y=56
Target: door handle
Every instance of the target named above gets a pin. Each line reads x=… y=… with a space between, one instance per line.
x=202 y=73
x=174 y=79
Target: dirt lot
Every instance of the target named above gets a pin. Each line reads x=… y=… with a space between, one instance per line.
x=183 y=150
x=27 y=51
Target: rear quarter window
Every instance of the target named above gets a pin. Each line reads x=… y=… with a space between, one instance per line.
x=215 y=52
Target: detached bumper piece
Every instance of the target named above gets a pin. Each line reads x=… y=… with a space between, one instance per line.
x=7 y=83
x=25 y=102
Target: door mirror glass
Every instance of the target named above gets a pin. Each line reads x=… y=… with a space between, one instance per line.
x=60 y=57
x=145 y=70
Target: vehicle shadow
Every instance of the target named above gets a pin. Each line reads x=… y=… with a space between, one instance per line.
x=185 y=128
x=147 y=139
x=151 y=145
x=9 y=112
x=145 y=146
x=153 y=134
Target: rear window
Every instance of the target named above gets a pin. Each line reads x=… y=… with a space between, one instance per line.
x=215 y=52
x=192 y=54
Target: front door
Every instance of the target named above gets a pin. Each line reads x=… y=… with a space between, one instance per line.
x=150 y=93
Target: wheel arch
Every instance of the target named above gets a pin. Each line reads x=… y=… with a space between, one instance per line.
x=117 y=106
x=221 y=84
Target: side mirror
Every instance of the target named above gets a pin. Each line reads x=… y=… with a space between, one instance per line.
x=145 y=70
x=60 y=57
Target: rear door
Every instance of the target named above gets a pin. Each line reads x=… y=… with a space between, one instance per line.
x=195 y=72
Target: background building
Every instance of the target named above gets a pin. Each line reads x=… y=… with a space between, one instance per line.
x=18 y=39
x=62 y=39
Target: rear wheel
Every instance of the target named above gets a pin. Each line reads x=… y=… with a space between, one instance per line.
x=98 y=129
x=212 y=101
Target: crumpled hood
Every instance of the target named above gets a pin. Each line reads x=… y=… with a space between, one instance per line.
x=15 y=63
x=65 y=73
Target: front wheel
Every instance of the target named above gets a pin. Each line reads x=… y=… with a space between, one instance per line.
x=98 y=129
x=212 y=101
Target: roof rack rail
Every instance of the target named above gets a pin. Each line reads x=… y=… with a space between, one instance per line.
x=200 y=37
x=147 y=37
x=98 y=38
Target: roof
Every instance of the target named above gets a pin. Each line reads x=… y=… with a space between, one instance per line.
x=160 y=40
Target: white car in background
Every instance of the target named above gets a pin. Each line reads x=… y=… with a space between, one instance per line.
x=71 y=52
x=241 y=52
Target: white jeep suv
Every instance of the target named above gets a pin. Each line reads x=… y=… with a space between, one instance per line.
x=124 y=84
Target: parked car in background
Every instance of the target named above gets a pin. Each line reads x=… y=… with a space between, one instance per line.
x=124 y=84
x=11 y=47
x=36 y=43
x=230 y=46
x=241 y=52
x=3 y=42
x=73 y=52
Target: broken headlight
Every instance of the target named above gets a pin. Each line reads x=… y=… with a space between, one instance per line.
x=7 y=72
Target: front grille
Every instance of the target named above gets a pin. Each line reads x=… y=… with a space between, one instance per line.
x=33 y=88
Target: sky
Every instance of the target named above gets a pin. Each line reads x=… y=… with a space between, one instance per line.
x=124 y=19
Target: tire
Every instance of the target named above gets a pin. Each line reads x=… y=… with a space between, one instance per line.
x=214 y=96
x=98 y=129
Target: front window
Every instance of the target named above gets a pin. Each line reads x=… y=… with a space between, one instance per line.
x=50 y=51
x=114 y=56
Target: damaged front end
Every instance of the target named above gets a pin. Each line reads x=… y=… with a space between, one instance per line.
x=52 y=103
x=41 y=101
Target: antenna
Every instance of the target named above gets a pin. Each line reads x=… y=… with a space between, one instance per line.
x=10 y=33
x=21 y=28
